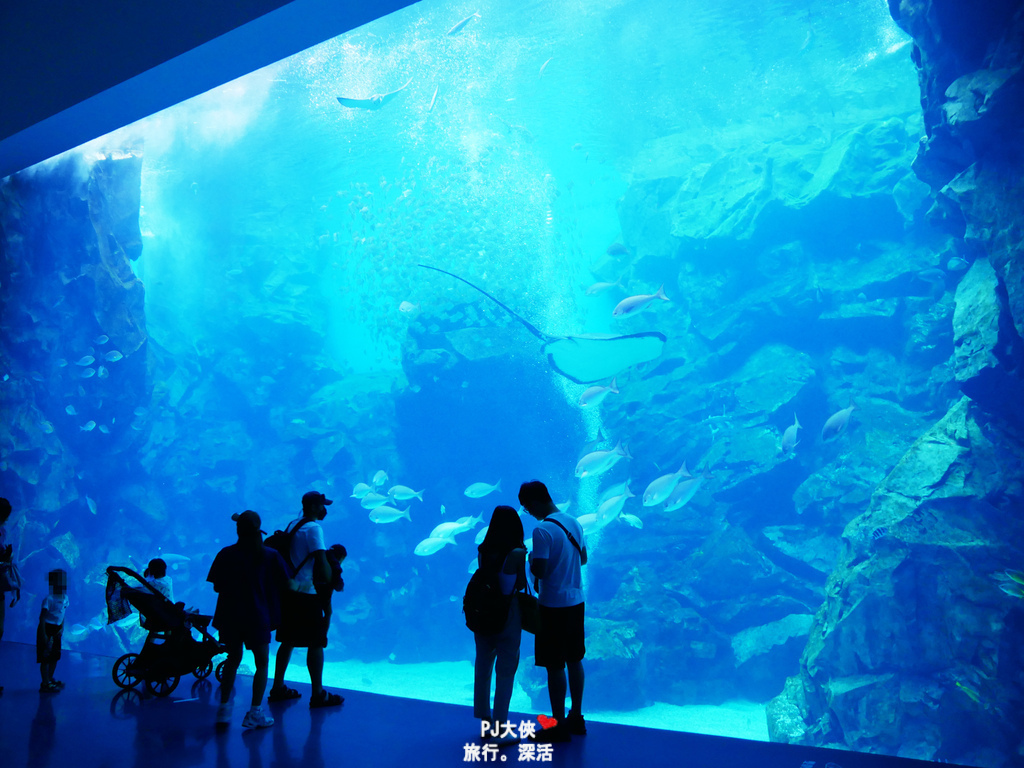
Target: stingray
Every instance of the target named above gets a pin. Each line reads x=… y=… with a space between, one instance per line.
x=587 y=358
x=376 y=101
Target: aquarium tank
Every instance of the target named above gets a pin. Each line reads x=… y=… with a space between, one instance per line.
x=762 y=257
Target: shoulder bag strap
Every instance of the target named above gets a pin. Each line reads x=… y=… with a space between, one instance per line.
x=571 y=537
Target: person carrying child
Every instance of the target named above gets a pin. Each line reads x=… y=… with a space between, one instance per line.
x=51 y=630
x=249 y=579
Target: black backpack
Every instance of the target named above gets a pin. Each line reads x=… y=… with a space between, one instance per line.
x=282 y=542
x=486 y=608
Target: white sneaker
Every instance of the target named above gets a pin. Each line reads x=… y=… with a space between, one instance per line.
x=257 y=718
x=224 y=713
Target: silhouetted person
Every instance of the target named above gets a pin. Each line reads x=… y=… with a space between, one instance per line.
x=156 y=575
x=559 y=551
x=305 y=615
x=249 y=579
x=10 y=581
x=50 y=631
x=502 y=558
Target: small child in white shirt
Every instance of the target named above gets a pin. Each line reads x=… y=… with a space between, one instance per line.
x=51 y=629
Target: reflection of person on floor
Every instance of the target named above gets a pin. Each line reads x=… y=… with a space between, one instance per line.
x=502 y=556
x=304 y=613
x=51 y=629
x=10 y=582
x=42 y=733
x=248 y=578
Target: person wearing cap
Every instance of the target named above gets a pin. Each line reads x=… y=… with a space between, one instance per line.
x=305 y=615
x=249 y=579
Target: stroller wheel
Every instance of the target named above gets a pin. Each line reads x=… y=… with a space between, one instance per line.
x=220 y=671
x=163 y=686
x=123 y=674
x=204 y=671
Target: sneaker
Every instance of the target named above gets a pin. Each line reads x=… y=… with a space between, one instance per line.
x=257 y=718
x=49 y=687
x=556 y=734
x=59 y=684
x=576 y=724
x=224 y=713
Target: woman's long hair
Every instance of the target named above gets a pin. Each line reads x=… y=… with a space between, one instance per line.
x=250 y=538
x=504 y=533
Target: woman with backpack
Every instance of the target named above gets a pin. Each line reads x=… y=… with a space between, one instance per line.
x=502 y=558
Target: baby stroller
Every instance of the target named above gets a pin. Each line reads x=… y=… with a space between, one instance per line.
x=170 y=650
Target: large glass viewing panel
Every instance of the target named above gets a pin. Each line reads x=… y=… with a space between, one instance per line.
x=661 y=232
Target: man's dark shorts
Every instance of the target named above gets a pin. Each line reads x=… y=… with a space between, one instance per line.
x=560 y=638
x=303 y=623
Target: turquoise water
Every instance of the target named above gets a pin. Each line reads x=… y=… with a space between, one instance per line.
x=294 y=343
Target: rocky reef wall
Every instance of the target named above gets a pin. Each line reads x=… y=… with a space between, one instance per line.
x=916 y=649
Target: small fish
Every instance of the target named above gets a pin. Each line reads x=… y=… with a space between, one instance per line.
x=87 y=373
x=104 y=429
x=1012 y=588
x=442 y=510
x=932 y=275
x=408 y=307
x=433 y=99
x=468 y=523
x=89 y=426
x=101 y=339
x=479 y=490
x=102 y=373
x=638 y=303
x=458 y=27
x=544 y=66
x=174 y=560
x=380 y=478
x=685 y=491
x=298 y=421
x=612 y=507
x=113 y=356
x=372 y=500
x=473 y=566
x=601 y=461
x=140 y=411
x=592 y=396
x=1017 y=576
x=378 y=579
x=789 y=437
x=62 y=363
x=36 y=376
x=616 y=490
x=879 y=533
x=359 y=490
x=84 y=361
x=446 y=530
x=577 y=146
x=661 y=488
x=617 y=249
x=957 y=264
x=599 y=288
x=404 y=493
x=564 y=506
x=386 y=514
x=481 y=535
x=431 y=545
x=633 y=520
x=972 y=694
x=837 y=421
x=90 y=504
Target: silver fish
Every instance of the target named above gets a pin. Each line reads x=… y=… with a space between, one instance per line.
x=592 y=396
x=789 y=437
x=87 y=360
x=633 y=304
x=479 y=490
x=837 y=421
x=458 y=27
x=661 y=488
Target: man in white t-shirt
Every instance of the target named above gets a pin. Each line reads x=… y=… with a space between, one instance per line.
x=305 y=614
x=559 y=552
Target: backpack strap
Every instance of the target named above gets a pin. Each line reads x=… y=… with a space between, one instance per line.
x=291 y=537
x=571 y=537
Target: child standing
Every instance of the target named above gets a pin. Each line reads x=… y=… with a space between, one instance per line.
x=51 y=629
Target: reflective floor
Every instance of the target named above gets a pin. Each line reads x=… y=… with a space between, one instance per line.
x=94 y=723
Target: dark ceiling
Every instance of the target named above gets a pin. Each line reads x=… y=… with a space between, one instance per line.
x=72 y=71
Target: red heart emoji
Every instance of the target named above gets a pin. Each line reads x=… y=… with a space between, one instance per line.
x=546 y=722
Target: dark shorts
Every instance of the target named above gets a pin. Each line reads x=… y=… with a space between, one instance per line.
x=237 y=637
x=303 y=623
x=560 y=638
x=48 y=637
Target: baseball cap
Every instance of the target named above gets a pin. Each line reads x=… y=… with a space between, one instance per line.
x=314 y=497
x=249 y=519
